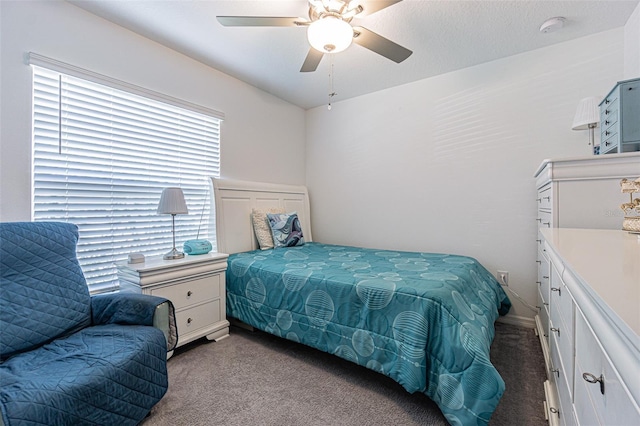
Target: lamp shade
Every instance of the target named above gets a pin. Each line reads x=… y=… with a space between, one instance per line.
x=587 y=114
x=172 y=202
x=330 y=35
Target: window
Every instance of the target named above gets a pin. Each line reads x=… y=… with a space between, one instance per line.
x=101 y=159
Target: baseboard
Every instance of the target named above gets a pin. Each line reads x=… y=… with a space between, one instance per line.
x=524 y=322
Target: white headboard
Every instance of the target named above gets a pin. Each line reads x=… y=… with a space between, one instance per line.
x=234 y=201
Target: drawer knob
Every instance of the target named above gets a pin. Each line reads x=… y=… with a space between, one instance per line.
x=189 y=320
x=557 y=330
x=189 y=293
x=554 y=410
x=590 y=378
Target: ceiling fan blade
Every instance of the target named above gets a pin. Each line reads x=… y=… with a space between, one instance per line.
x=372 y=6
x=380 y=45
x=260 y=21
x=312 y=61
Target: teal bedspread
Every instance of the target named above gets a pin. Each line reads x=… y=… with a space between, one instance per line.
x=423 y=319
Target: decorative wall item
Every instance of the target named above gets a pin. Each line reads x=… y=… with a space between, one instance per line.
x=631 y=221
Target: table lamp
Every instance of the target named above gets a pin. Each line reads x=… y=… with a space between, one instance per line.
x=172 y=202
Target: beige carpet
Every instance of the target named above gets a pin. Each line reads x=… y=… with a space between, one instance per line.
x=252 y=378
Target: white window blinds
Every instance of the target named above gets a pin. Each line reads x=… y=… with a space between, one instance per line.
x=101 y=159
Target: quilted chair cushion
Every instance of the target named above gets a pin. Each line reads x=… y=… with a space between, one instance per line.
x=103 y=375
x=43 y=293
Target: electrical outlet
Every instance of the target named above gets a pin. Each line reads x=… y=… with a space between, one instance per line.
x=503 y=278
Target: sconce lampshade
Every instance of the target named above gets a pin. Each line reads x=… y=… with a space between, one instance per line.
x=587 y=114
x=172 y=202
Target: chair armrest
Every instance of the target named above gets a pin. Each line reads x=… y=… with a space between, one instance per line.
x=136 y=309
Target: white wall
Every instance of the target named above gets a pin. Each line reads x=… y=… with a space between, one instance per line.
x=446 y=164
x=632 y=45
x=257 y=130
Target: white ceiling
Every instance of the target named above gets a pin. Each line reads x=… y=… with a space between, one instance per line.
x=443 y=35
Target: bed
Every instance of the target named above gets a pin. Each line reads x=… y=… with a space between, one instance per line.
x=424 y=319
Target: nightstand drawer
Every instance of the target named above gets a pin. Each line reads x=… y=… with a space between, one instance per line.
x=195 y=318
x=191 y=292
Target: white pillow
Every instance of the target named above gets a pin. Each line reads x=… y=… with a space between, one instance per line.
x=261 y=226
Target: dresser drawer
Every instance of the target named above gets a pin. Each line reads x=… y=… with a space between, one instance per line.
x=613 y=407
x=608 y=122
x=197 y=317
x=191 y=292
x=609 y=110
x=563 y=384
x=544 y=219
x=561 y=331
x=544 y=318
x=545 y=198
x=543 y=278
x=609 y=143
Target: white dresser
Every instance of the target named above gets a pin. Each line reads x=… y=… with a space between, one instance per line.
x=195 y=285
x=594 y=326
x=579 y=192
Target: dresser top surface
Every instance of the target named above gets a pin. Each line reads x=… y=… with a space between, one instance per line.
x=606 y=261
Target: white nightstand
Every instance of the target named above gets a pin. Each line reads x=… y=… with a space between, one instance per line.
x=195 y=285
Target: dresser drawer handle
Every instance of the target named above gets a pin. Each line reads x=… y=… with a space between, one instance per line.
x=539 y=282
x=556 y=289
x=606 y=122
x=556 y=371
x=546 y=277
x=547 y=198
x=607 y=143
x=539 y=261
x=554 y=410
x=189 y=320
x=557 y=330
x=545 y=304
x=590 y=378
x=607 y=112
x=539 y=220
x=539 y=199
x=547 y=223
x=607 y=102
x=607 y=133
x=189 y=293
x=539 y=241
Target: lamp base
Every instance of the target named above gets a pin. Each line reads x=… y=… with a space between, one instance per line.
x=173 y=254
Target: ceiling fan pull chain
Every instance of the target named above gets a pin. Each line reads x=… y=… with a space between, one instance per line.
x=331 y=91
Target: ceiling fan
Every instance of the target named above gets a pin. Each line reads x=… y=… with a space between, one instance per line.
x=329 y=29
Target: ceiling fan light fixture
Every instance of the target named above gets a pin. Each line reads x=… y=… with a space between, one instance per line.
x=330 y=34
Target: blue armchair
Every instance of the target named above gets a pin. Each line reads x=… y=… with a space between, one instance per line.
x=66 y=357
